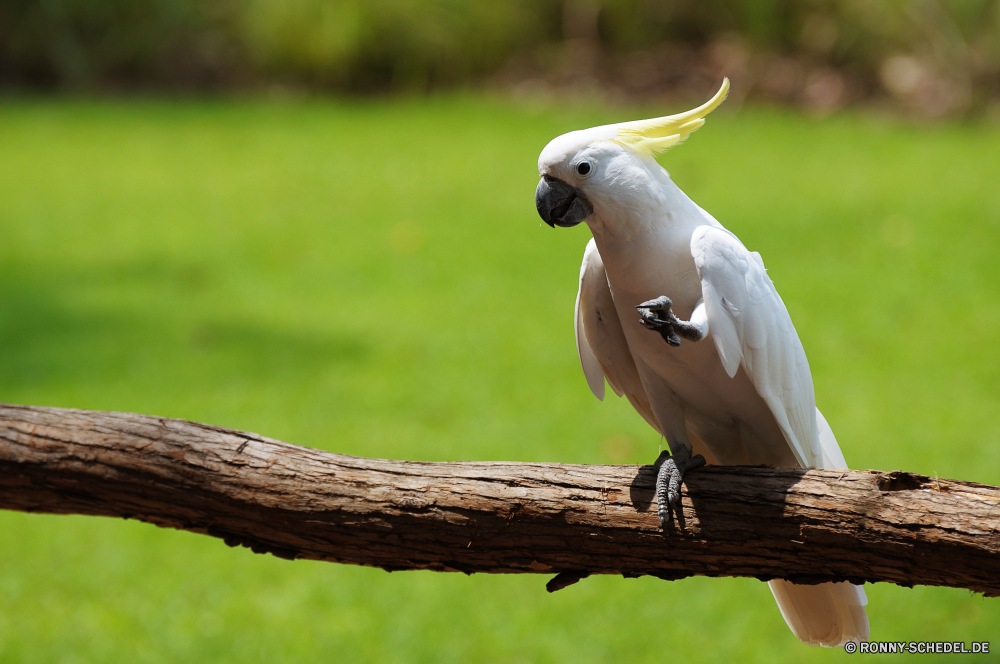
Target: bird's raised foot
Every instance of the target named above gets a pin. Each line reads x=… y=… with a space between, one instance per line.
x=668 y=480
x=656 y=315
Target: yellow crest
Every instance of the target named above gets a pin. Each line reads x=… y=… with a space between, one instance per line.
x=658 y=134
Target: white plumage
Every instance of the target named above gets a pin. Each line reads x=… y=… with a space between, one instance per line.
x=743 y=394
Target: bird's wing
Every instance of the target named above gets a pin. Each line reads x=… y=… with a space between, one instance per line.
x=751 y=326
x=600 y=341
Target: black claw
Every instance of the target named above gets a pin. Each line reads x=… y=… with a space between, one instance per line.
x=662 y=303
x=656 y=315
x=669 y=478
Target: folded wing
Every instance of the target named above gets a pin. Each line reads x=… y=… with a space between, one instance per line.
x=600 y=341
x=751 y=326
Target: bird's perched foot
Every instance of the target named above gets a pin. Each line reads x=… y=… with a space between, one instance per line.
x=656 y=315
x=668 y=480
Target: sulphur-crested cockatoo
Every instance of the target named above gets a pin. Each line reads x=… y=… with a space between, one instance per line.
x=659 y=268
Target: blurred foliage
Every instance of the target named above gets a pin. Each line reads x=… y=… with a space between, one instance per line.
x=379 y=44
x=927 y=54
x=350 y=45
x=81 y=44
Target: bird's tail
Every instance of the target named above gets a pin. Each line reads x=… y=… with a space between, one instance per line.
x=826 y=614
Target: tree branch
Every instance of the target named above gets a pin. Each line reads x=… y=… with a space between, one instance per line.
x=805 y=526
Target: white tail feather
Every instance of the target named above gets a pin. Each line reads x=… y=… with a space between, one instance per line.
x=826 y=614
x=833 y=458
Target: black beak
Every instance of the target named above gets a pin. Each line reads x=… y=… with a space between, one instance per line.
x=560 y=204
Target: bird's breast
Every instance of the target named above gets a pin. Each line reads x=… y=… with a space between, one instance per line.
x=638 y=272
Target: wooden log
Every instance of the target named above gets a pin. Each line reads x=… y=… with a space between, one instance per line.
x=572 y=520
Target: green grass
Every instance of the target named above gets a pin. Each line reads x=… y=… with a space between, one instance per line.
x=372 y=279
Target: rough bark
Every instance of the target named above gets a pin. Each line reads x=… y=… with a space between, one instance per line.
x=805 y=526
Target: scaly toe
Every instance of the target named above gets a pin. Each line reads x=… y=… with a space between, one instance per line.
x=659 y=303
x=668 y=482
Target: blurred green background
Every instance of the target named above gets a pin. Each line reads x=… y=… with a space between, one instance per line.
x=932 y=58
x=274 y=251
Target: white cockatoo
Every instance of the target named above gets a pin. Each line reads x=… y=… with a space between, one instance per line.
x=659 y=268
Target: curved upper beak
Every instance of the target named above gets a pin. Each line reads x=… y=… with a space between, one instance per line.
x=560 y=204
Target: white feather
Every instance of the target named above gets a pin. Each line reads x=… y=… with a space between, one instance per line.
x=750 y=325
x=600 y=341
x=588 y=276
x=746 y=396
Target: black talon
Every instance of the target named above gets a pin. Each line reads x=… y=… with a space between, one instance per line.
x=668 y=480
x=656 y=315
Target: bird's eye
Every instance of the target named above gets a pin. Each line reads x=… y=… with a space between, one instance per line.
x=584 y=168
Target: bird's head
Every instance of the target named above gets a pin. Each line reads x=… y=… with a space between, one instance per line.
x=584 y=168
